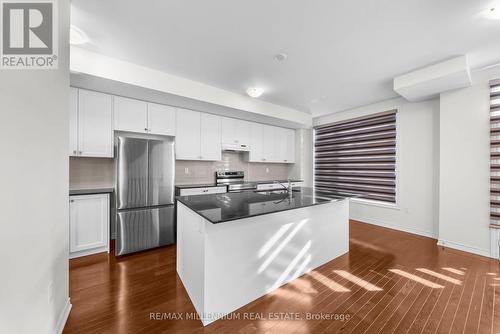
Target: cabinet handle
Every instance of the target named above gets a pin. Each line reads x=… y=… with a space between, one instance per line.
x=145 y=129
x=71 y=200
x=74 y=152
x=80 y=152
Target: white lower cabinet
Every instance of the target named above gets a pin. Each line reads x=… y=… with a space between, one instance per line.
x=88 y=224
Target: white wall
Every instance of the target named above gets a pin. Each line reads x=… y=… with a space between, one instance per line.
x=417 y=145
x=465 y=165
x=302 y=168
x=34 y=194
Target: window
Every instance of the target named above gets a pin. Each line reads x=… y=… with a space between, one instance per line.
x=357 y=156
x=495 y=152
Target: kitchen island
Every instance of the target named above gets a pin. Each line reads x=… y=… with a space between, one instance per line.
x=233 y=248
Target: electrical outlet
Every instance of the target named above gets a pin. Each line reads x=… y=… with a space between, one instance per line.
x=267 y=170
x=186 y=170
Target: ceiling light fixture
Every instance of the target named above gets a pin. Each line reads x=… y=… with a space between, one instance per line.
x=77 y=36
x=254 y=91
x=281 y=57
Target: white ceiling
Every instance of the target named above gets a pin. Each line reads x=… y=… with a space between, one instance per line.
x=343 y=53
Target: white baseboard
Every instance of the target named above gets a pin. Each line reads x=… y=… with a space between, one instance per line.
x=63 y=317
x=464 y=248
x=411 y=230
x=89 y=252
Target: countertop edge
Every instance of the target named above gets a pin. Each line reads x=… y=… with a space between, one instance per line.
x=91 y=191
x=178 y=198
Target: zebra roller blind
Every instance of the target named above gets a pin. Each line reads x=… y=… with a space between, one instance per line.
x=495 y=152
x=357 y=156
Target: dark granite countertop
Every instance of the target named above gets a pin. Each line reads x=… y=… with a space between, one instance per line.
x=90 y=191
x=204 y=185
x=275 y=181
x=219 y=208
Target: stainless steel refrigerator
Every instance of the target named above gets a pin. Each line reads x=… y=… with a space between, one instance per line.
x=144 y=194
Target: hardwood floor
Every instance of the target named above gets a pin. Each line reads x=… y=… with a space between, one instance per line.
x=389 y=282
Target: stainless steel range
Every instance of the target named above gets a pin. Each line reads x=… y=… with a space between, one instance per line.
x=235 y=181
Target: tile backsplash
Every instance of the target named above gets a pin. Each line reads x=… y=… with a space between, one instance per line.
x=204 y=171
x=100 y=173
x=91 y=173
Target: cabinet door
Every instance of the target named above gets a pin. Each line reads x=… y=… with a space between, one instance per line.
x=187 y=141
x=131 y=115
x=290 y=146
x=161 y=119
x=228 y=126
x=95 y=124
x=89 y=221
x=280 y=145
x=242 y=132
x=256 y=143
x=73 y=122
x=210 y=139
x=268 y=151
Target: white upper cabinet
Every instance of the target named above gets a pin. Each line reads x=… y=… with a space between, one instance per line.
x=187 y=141
x=235 y=132
x=131 y=115
x=73 y=122
x=256 y=153
x=210 y=138
x=161 y=119
x=198 y=136
x=271 y=144
x=143 y=117
x=280 y=145
x=93 y=132
x=269 y=147
x=290 y=148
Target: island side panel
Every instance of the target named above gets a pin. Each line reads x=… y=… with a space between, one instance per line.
x=190 y=254
x=247 y=258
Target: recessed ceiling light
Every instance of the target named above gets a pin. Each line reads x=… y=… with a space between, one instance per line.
x=281 y=57
x=493 y=13
x=77 y=36
x=254 y=91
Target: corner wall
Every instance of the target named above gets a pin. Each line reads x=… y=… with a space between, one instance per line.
x=34 y=197
x=417 y=167
x=465 y=165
